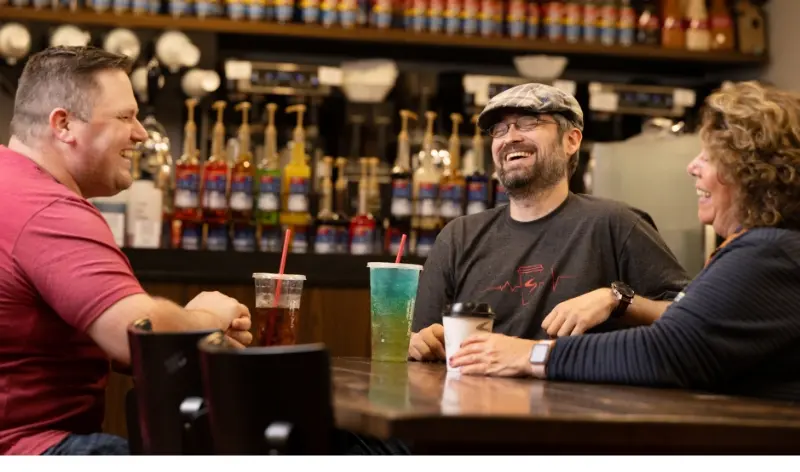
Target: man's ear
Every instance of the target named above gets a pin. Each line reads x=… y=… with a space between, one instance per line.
x=59 y=122
x=572 y=141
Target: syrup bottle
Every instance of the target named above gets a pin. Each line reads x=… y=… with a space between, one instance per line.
x=268 y=177
x=242 y=178
x=698 y=35
x=374 y=202
x=296 y=179
x=451 y=186
x=401 y=209
x=672 y=34
x=186 y=214
x=327 y=221
x=648 y=29
x=721 y=26
x=626 y=26
x=341 y=207
x=362 y=227
x=477 y=181
x=215 y=175
x=426 y=190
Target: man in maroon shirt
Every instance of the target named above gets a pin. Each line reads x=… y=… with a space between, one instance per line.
x=67 y=293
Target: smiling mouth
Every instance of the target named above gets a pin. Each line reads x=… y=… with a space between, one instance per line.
x=513 y=156
x=702 y=193
x=127 y=154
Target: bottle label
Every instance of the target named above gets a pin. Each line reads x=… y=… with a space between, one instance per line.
x=187 y=185
x=363 y=237
x=452 y=15
x=310 y=10
x=242 y=192
x=329 y=13
x=436 y=16
x=298 y=195
x=401 y=198
x=488 y=17
x=270 y=239
x=554 y=21
x=190 y=237
x=451 y=197
x=516 y=18
x=608 y=24
x=418 y=18
x=235 y=10
x=244 y=238
x=214 y=190
x=590 y=18
x=394 y=240
x=269 y=192
x=217 y=238
x=627 y=26
x=300 y=242
x=325 y=242
x=382 y=14
x=500 y=196
x=534 y=20
x=719 y=22
x=342 y=240
x=572 y=21
x=425 y=243
x=255 y=10
x=469 y=16
x=427 y=198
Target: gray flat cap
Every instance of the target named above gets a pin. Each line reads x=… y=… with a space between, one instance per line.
x=531 y=98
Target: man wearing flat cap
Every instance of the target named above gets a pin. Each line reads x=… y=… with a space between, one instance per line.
x=550 y=263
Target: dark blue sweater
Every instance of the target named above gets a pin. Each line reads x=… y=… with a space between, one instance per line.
x=734 y=330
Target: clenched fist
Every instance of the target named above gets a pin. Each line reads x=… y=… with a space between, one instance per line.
x=234 y=317
x=428 y=344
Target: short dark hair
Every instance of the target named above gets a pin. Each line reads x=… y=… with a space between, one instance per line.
x=59 y=77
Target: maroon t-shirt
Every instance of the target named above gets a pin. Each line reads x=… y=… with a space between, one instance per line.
x=59 y=271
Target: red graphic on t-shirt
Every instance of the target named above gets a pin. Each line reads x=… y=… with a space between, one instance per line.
x=528 y=278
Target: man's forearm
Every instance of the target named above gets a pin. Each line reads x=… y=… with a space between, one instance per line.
x=644 y=311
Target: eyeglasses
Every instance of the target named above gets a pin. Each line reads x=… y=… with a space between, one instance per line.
x=524 y=123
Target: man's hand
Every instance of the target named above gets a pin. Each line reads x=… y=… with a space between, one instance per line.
x=579 y=314
x=494 y=354
x=234 y=317
x=428 y=344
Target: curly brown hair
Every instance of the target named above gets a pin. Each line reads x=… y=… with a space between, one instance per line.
x=752 y=133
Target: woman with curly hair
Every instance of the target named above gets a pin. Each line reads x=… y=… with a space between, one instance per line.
x=735 y=329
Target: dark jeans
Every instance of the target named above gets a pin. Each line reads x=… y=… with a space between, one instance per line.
x=95 y=444
x=101 y=444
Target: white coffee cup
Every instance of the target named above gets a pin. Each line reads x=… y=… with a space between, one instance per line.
x=462 y=320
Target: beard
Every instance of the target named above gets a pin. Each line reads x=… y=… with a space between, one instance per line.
x=548 y=169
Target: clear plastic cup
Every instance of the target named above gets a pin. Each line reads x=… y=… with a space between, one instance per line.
x=276 y=324
x=393 y=291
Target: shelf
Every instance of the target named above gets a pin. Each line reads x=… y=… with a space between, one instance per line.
x=379 y=37
x=228 y=267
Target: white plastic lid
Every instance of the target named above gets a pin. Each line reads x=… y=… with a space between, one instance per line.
x=264 y=275
x=392 y=265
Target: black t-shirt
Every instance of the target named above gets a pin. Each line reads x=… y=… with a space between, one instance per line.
x=523 y=270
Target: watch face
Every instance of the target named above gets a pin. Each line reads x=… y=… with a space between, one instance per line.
x=623 y=289
x=539 y=353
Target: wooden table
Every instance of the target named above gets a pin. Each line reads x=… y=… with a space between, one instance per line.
x=439 y=412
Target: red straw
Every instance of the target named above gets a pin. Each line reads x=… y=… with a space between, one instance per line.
x=286 y=240
x=400 y=249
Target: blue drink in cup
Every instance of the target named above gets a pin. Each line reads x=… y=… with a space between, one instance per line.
x=393 y=291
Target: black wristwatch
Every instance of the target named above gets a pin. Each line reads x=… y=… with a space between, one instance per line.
x=624 y=294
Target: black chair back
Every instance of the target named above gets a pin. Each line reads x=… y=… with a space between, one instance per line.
x=267 y=400
x=166 y=372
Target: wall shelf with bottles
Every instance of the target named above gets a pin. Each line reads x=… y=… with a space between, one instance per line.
x=230 y=267
x=385 y=37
